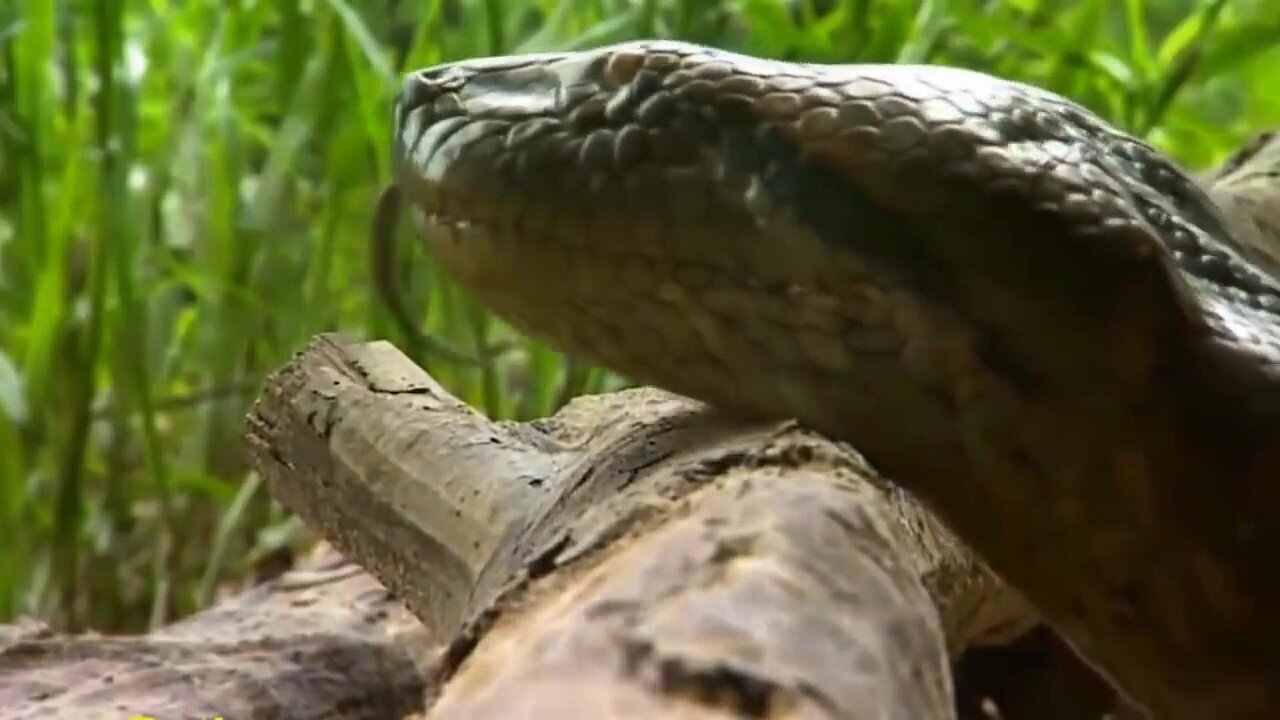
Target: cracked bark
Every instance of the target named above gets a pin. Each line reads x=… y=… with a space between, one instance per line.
x=324 y=640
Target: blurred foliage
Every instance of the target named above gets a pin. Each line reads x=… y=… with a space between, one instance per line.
x=186 y=190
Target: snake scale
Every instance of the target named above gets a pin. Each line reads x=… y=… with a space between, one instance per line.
x=1039 y=325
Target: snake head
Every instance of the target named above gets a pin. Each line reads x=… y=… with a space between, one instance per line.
x=874 y=201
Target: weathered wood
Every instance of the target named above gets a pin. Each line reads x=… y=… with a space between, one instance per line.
x=324 y=640
x=634 y=555
x=402 y=477
x=637 y=555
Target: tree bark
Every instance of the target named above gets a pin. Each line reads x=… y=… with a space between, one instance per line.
x=636 y=555
x=322 y=641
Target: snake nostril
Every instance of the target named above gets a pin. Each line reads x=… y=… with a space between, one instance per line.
x=419 y=89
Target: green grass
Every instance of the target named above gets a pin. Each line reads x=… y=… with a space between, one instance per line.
x=186 y=190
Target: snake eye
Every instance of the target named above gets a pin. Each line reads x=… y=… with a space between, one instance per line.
x=417 y=91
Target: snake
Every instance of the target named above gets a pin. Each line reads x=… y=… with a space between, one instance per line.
x=1057 y=338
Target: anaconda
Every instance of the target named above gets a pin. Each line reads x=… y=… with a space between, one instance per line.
x=1039 y=324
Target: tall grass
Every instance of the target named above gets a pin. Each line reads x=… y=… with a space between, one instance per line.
x=186 y=190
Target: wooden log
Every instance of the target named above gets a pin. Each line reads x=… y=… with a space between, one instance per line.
x=636 y=555
x=321 y=638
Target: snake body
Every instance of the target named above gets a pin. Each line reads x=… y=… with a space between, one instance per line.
x=1038 y=324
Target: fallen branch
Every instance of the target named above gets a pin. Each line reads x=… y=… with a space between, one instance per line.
x=636 y=555
x=324 y=636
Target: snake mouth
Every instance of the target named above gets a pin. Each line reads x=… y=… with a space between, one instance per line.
x=435 y=220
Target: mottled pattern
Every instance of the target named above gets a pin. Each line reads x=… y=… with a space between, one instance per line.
x=1035 y=322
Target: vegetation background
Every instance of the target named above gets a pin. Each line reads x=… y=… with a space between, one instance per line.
x=186 y=190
